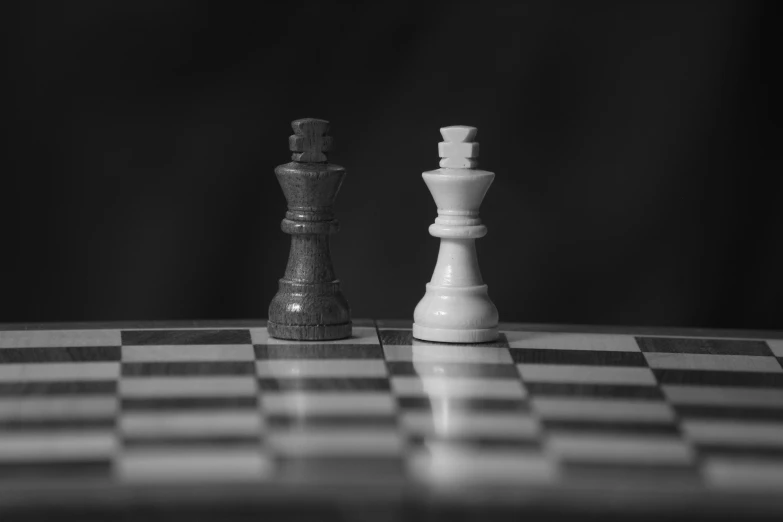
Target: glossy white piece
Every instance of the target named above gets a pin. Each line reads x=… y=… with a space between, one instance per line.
x=458 y=133
x=456 y=307
x=458 y=163
x=449 y=149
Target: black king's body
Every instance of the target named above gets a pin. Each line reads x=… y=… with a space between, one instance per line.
x=309 y=304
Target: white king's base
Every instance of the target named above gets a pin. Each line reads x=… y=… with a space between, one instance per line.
x=449 y=335
x=456 y=315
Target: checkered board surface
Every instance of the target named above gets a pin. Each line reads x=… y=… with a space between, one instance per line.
x=190 y=405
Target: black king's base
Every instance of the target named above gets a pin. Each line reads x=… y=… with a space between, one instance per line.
x=309 y=312
x=309 y=305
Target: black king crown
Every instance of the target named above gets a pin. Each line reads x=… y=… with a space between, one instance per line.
x=309 y=304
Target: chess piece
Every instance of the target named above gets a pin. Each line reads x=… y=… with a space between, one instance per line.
x=456 y=307
x=309 y=304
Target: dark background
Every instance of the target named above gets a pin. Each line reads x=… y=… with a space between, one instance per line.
x=636 y=155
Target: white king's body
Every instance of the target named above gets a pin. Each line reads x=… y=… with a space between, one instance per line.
x=456 y=307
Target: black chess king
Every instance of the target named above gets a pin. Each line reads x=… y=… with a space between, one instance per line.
x=309 y=305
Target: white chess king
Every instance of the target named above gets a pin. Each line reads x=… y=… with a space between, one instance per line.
x=456 y=307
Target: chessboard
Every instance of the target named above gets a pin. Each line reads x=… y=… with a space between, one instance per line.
x=165 y=417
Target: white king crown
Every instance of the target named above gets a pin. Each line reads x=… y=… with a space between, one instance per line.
x=458 y=150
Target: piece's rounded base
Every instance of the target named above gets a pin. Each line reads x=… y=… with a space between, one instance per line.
x=453 y=335
x=309 y=332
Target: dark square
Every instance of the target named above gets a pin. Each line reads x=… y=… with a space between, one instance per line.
x=405 y=338
x=720 y=378
x=181 y=337
x=325 y=384
x=364 y=468
x=612 y=391
x=21 y=389
x=53 y=425
x=69 y=470
x=611 y=427
x=482 y=370
x=625 y=473
x=463 y=404
x=396 y=337
x=478 y=442
x=576 y=357
x=304 y=422
x=150 y=369
x=735 y=413
x=703 y=346
x=317 y=351
x=761 y=453
x=218 y=442
x=190 y=403
x=64 y=354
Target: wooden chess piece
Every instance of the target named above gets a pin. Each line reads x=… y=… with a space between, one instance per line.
x=456 y=307
x=309 y=305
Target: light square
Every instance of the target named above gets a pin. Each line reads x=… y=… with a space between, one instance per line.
x=458 y=387
x=446 y=424
x=742 y=433
x=442 y=464
x=712 y=362
x=297 y=368
x=620 y=449
x=746 y=474
x=59 y=338
x=324 y=403
x=58 y=372
x=562 y=373
x=336 y=442
x=173 y=387
x=31 y=408
x=568 y=341
x=57 y=446
x=193 y=465
x=191 y=424
x=617 y=410
x=724 y=396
